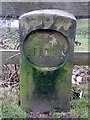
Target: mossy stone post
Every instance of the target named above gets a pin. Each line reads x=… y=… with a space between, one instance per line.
x=46 y=47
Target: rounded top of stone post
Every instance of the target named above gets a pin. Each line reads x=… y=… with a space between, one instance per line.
x=49 y=12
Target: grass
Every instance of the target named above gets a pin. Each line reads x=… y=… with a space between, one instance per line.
x=82 y=35
x=8 y=105
x=80 y=107
x=84 y=44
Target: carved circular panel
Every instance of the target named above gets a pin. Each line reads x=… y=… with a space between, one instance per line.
x=46 y=49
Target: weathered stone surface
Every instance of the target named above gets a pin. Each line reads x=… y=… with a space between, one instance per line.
x=47 y=41
x=48 y=49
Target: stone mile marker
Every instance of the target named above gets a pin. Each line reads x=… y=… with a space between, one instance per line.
x=46 y=47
